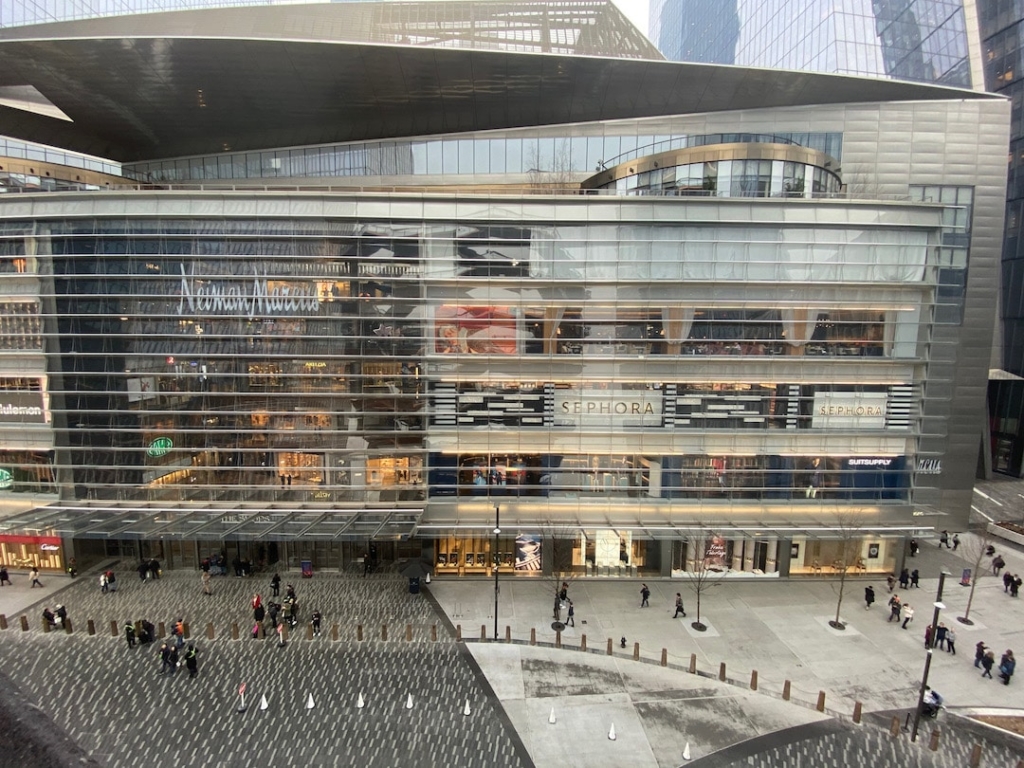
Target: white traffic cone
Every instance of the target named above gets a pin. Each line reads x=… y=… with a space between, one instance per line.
x=465 y=709
x=686 y=751
x=551 y=717
x=611 y=733
x=408 y=702
x=263 y=702
x=309 y=702
x=359 y=702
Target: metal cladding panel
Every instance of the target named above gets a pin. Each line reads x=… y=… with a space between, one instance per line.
x=133 y=97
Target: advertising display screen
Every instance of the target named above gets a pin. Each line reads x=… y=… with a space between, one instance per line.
x=475 y=330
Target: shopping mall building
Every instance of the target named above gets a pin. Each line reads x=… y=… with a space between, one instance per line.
x=372 y=272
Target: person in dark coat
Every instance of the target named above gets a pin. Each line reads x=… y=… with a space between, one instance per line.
x=869 y=597
x=1007 y=665
x=915 y=577
x=129 y=634
x=48 y=617
x=904 y=578
x=165 y=657
x=62 y=614
x=275 y=584
x=1015 y=587
x=190 y=661
x=1007 y=582
x=987 y=662
x=315 y=621
x=143 y=570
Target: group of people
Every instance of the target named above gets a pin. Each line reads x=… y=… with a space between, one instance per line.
x=562 y=601
x=1011 y=584
x=907 y=579
x=169 y=659
x=279 y=614
x=985 y=658
x=149 y=569
x=898 y=610
x=141 y=632
x=941 y=637
x=60 y=613
x=108 y=582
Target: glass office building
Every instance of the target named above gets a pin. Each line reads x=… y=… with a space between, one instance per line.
x=325 y=307
x=917 y=40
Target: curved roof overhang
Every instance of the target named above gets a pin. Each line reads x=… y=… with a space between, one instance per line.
x=134 y=99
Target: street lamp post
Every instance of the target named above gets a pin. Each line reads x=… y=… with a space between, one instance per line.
x=497 y=562
x=928 y=661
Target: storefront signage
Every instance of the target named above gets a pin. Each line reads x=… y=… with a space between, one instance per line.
x=625 y=407
x=250 y=300
x=847 y=410
x=6 y=479
x=49 y=547
x=22 y=408
x=160 y=447
x=929 y=466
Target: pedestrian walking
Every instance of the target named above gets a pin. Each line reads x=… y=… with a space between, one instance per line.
x=956 y=541
x=914 y=547
x=645 y=593
x=4 y=576
x=62 y=614
x=571 y=616
x=890 y=581
x=951 y=641
x=191 y=662
x=987 y=662
x=904 y=578
x=111 y=581
x=256 y=602
x=165 y=657
x=1007 y=665
x=143 y=570
x=1015 y=587
x=940 y=636
x=869 y=597
x=563 y=594
x=679 y=606
x=929 y=632
x=915 y=577
x=979 y=652
x=205 y=578
x=172 y=660
x=129 y=634
x=998 y=564
x=1007 y=582
x=944 y=540
x=275 y=585
x=894 y=608
x=315 y=621
x=34 y=574
x=908 y=614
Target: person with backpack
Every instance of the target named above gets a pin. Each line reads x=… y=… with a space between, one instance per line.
x=645 y=594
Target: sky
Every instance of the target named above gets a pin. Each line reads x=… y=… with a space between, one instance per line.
x=636 y=10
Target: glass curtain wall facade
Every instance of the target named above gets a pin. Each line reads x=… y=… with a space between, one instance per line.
x=919 y=40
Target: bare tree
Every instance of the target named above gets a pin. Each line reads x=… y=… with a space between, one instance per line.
x=850 y=530
x=705 y=567
x=559 y=544
x=554 y=176
x=975 y=548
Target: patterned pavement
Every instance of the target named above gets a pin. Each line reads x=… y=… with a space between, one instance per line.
x=113 y=702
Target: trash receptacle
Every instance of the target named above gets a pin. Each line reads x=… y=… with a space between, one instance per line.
x=414 y=586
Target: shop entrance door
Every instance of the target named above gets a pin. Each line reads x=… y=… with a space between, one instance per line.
x=761 y=556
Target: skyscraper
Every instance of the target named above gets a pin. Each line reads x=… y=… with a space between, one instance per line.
x=918 y=40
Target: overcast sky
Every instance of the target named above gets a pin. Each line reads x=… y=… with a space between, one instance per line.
x=636 y=10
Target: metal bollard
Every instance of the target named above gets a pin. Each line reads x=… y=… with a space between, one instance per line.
x=933 y=742
x=583 y=642
x=664 y=657
x=184 y=630
x=334 y=633
x=721 y=671
x=693 y=664
x=359 y=633
x=508 y=634
x=533 y=635
x=46 y=626
x=821 y=701
x=90 y=627
x=160 y=630
x=408 y=633
x=209 y=631
x=753 y=680
x=67 y=626
x=857 y=711
x=636 y=651
x=558 y=638
x=785 y=691
x=894 y=727
x=113 y=628
x=234 y=630
x=609 y=646
x=383 y=631
x=3 y=621
x=309 y=631
x=458 y=633
x=975 y=761
x=483 y=631
x=433 y=633
x=261 y=631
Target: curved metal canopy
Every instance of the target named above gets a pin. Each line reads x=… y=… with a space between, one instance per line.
x=136 y=98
